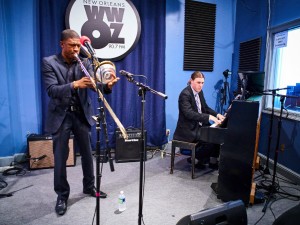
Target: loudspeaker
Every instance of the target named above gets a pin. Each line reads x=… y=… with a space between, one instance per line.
x=289 y=217
x=129 y=150
x=40 y=151
x=233 y=213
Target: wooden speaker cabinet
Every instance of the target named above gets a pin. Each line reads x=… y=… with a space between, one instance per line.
x=40 y=151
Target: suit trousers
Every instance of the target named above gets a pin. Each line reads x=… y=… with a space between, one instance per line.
x=205 y=150
x=75 y=122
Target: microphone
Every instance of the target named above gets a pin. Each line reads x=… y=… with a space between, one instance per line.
x=39 y=158
x=84 y=40
x=126 y=74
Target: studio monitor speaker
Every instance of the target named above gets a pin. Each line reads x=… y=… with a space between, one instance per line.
x=233 y=213
x=289 y=217
x=129 y=150
x=40 y=151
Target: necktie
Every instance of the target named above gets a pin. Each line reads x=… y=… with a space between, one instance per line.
x=198 y=103
x=197 y=99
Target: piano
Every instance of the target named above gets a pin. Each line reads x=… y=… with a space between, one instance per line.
x=237 y=138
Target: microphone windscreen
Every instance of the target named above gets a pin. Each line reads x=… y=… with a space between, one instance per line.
x=84 y=39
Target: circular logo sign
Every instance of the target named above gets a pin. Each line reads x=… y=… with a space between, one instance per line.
x=114 y=27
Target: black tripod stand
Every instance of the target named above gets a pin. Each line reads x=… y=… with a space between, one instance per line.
x=225 y=90
x=142 y=92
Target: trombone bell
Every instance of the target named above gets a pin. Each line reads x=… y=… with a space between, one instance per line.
x=105 y=72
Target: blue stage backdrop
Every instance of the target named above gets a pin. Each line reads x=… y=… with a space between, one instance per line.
x=147 y=58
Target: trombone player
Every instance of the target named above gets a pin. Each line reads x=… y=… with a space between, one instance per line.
x=70 y=109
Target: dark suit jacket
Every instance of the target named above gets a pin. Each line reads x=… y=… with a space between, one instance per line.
x=60 y=91
x=188 y=128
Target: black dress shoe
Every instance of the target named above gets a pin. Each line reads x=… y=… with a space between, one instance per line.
x=93 y=193
x=61 y=207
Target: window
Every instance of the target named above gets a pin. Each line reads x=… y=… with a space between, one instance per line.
x=283 y=69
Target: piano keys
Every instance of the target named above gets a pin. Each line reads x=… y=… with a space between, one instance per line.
x=215 y=135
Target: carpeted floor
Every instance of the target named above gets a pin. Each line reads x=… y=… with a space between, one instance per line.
x=167 y=197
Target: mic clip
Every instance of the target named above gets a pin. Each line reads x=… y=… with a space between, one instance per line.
x=129 y=76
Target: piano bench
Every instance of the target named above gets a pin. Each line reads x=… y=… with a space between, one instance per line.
x=183 y=145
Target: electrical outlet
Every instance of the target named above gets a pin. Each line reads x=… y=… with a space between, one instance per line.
x=168 y=132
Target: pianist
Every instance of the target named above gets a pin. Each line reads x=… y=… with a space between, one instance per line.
x=194 y=113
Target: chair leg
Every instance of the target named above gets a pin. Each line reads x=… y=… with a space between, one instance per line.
x=172 y=159
x=193 y=163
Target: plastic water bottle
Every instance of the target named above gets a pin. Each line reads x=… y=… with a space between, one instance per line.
x=122 y=201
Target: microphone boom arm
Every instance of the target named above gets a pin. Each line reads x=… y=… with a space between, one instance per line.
x=130 y=78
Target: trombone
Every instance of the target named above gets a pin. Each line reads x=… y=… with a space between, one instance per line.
x=106 y=72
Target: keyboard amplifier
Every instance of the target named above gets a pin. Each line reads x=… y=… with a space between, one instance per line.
x=129 y=150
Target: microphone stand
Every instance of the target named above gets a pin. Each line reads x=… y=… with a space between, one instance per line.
x=98 y=171
x=100 y=157
x=102 y=116
x=272 y=188
x=142 y=92
x=266 y=170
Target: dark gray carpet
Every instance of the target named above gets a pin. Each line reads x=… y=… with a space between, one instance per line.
x=167 y=198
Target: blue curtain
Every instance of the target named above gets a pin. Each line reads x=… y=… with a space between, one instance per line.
x=20 y=77
x=147 y=58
